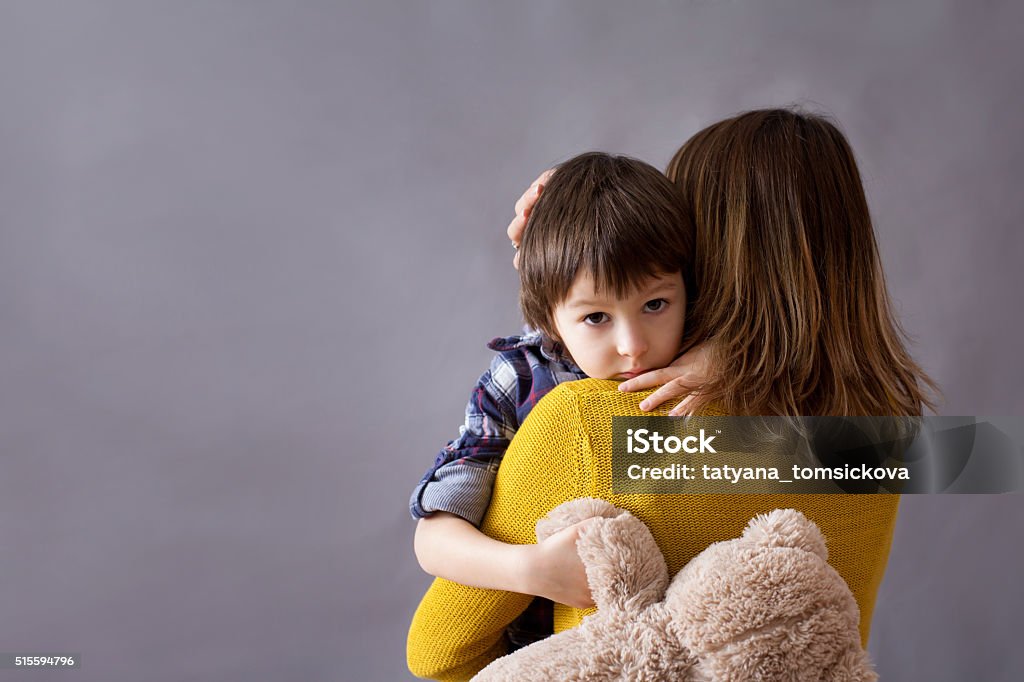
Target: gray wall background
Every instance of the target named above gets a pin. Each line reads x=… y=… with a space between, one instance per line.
x=250 y=253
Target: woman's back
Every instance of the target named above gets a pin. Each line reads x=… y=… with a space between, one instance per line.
x=563 y=451
x=578 y=430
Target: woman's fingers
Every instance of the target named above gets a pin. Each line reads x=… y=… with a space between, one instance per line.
x=524 y=206
x=515 y=229
x=529 y=197
x=685 y=406
x=673 y=389
x=655 y=377
x=515 y=235
x=525 y=203
x=673 y=381
x=686 y=374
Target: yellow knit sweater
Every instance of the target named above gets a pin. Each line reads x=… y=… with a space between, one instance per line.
x=563 y=451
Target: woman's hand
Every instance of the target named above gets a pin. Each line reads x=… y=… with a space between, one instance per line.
x=523 y=208
x=556 y=571
x=681 y=378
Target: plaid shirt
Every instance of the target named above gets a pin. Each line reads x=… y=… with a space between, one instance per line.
x=462 y=477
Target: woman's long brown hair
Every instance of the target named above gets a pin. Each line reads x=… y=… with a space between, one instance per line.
x=790 y=289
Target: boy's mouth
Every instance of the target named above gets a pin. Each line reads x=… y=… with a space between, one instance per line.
x=631 y=374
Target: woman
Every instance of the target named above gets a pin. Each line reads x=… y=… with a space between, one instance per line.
x=791 y=318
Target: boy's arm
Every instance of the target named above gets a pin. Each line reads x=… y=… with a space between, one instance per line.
x=449 y=547
x=457 y=630
x=462 y=476
x=452 y=498
x=452 y=548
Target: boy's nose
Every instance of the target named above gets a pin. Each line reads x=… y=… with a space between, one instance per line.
x=631 y=343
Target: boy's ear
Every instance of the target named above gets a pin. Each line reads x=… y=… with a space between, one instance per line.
x=547 y=327
x=552 y=334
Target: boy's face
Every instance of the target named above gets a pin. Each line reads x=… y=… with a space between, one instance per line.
x=618 y=338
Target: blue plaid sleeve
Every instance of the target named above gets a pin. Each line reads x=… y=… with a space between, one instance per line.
x=462 y=476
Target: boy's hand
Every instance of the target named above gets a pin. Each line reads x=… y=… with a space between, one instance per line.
x=523 y=208
x=556 y=570
x=681 y=378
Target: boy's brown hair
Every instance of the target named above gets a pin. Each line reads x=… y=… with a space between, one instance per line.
x=616 y=218
x=793 y=298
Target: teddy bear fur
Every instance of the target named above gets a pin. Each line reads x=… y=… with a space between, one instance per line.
x=764 y=606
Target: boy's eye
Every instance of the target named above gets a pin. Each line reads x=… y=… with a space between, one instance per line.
x=655 y=305
x=595 y=318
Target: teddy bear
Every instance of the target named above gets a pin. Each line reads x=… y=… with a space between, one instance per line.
x=763 y=606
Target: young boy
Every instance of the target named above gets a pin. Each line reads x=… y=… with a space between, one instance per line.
x=605 y=267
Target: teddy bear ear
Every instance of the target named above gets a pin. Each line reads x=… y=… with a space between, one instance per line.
x=786 y=528
x=574 y=511
x=625 y=568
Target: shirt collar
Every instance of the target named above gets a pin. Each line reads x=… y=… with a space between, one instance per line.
x=549 y=348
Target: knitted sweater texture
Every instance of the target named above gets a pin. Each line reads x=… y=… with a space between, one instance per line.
x=563 y=451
